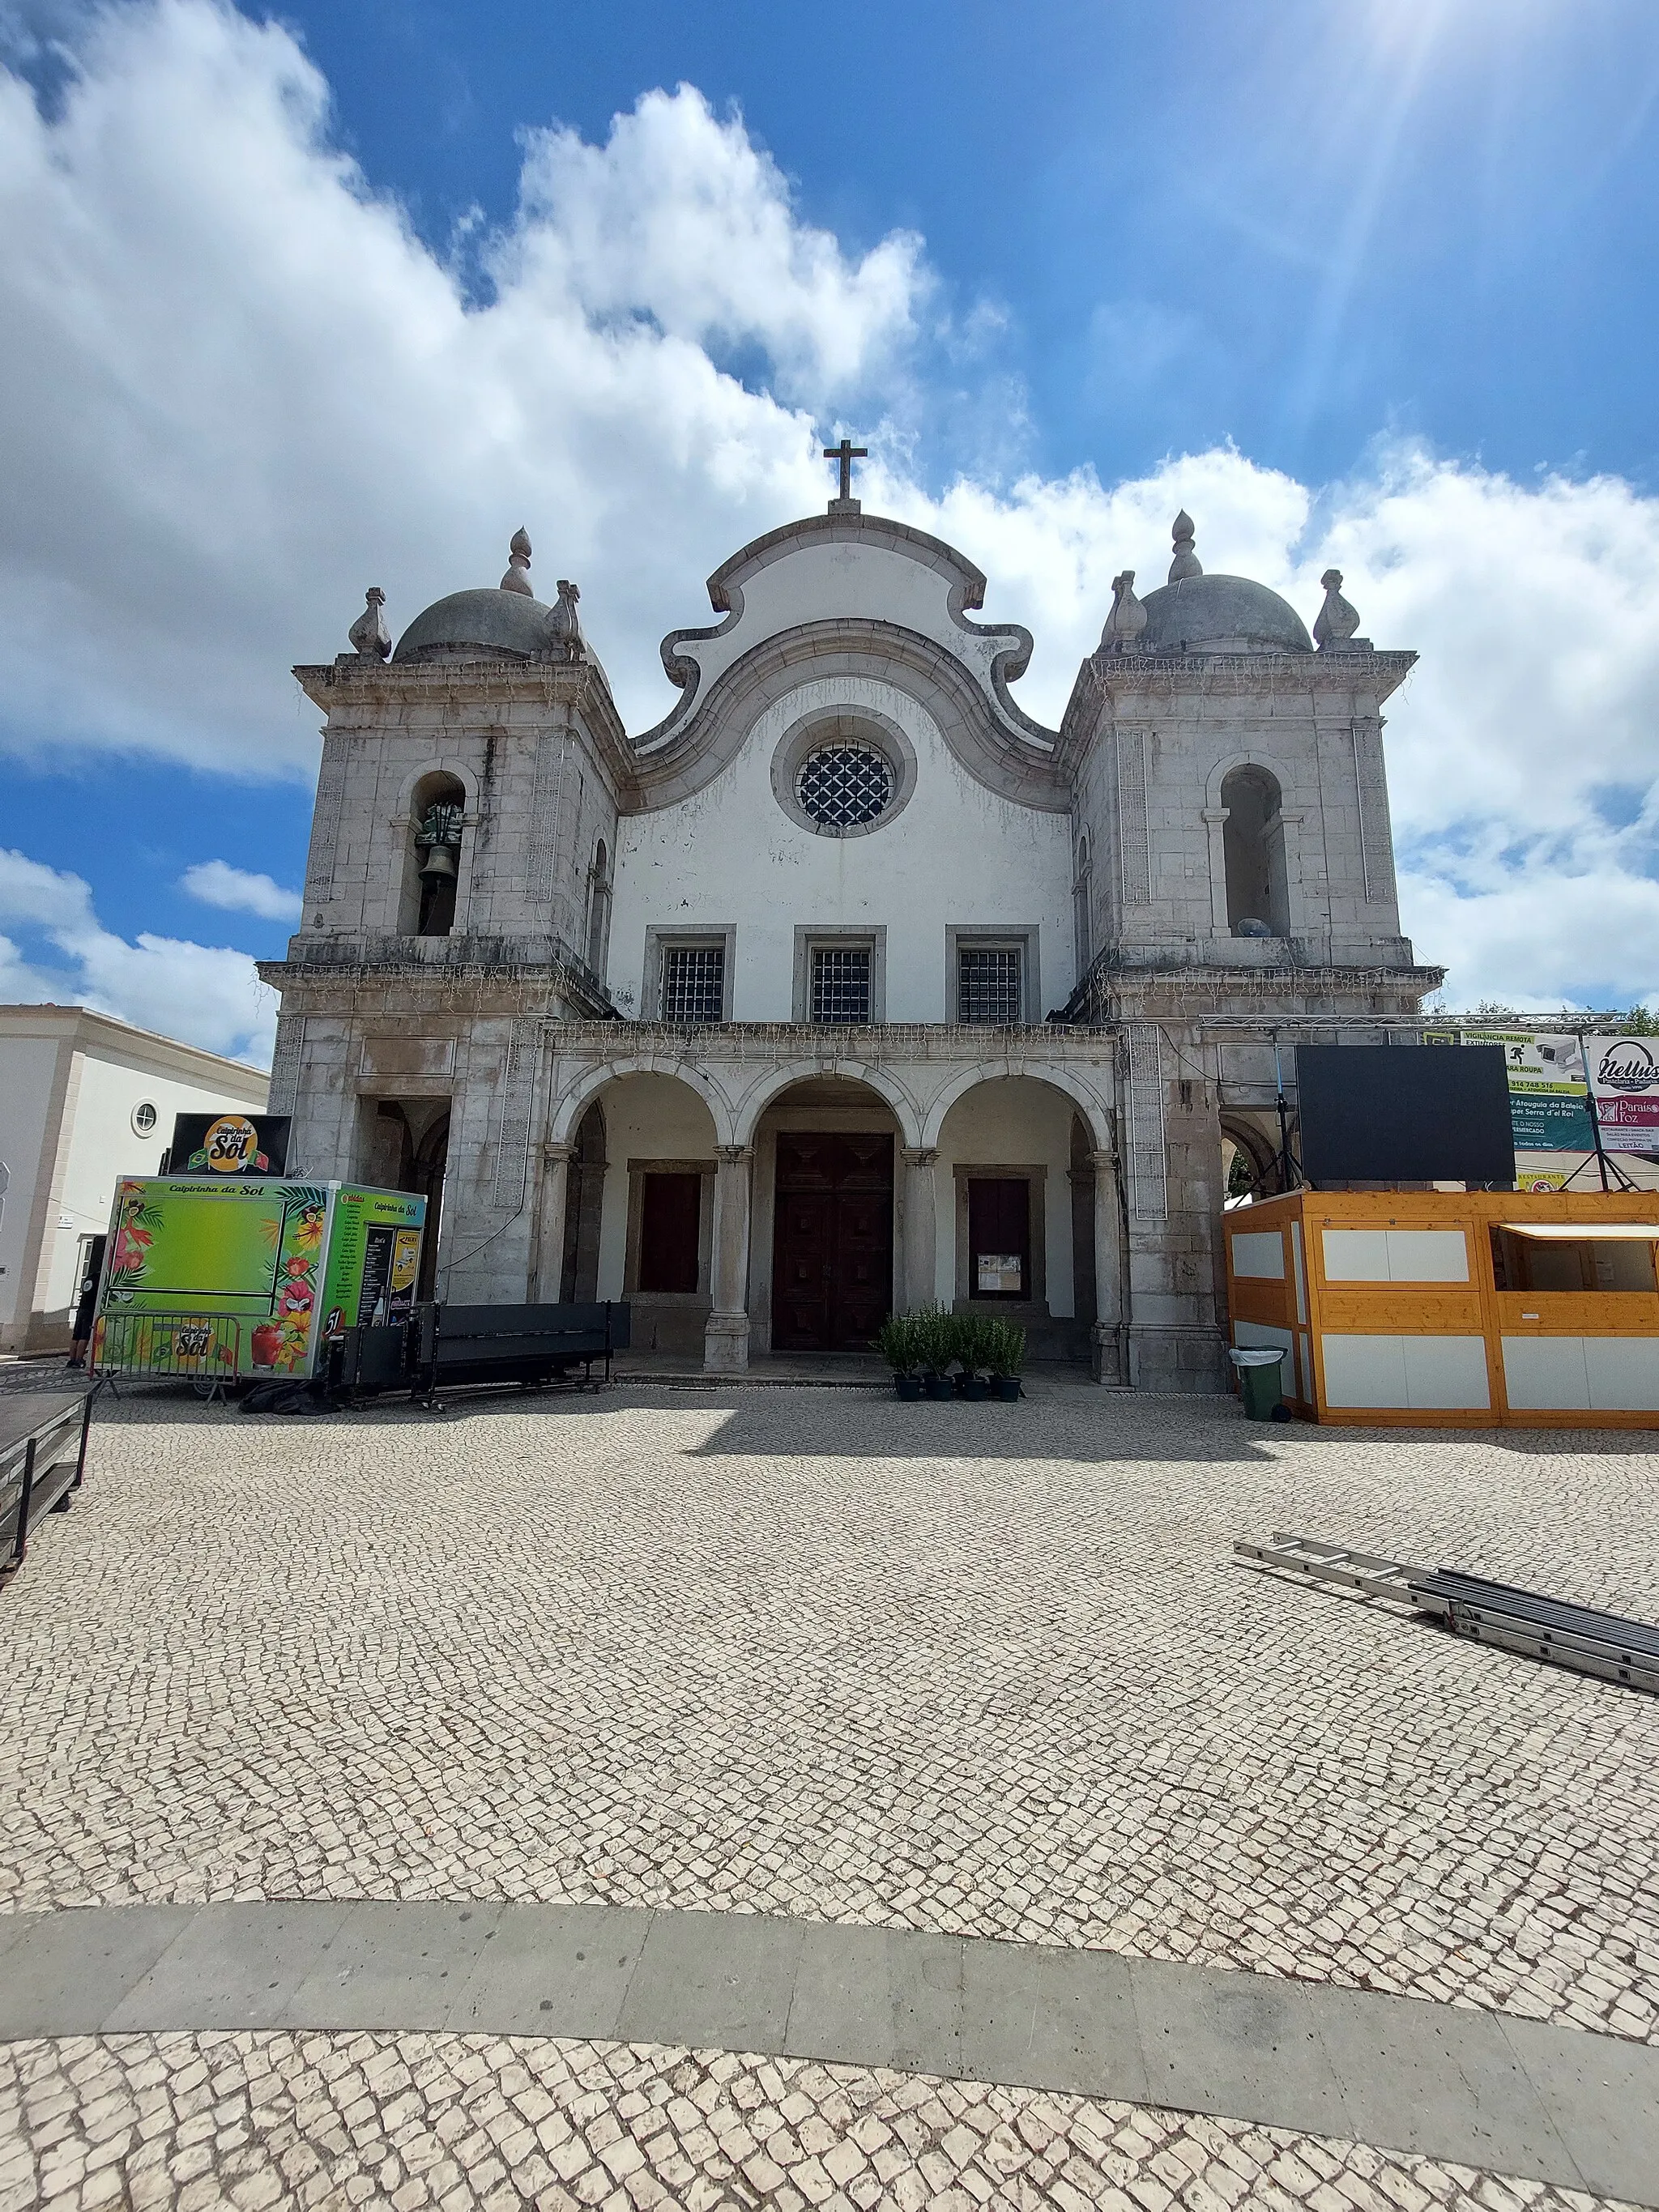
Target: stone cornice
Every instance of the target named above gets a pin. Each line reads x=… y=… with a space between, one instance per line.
x=355 y=681
x=1135 y=684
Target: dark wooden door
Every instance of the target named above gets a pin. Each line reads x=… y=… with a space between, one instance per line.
x=832 y=1243
x=999 y=1237
x=669 y=1211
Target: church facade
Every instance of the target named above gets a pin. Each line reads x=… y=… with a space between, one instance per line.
x=848 y=987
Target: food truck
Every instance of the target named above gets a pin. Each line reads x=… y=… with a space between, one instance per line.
x=218 y=1278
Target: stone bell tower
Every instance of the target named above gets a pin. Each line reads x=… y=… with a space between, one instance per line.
x=457 y=897
x=1235 y=885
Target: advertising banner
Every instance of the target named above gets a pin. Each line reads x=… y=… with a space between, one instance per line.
x=229 y=1144
x=373 y=1257
x=1548 y=1104
x=1625 y=1073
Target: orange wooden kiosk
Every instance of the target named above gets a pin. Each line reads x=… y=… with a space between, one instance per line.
x=1438 y=1309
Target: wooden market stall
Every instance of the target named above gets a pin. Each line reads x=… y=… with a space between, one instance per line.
x=1437 y=1309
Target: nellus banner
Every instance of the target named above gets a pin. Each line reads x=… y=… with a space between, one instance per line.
x=1549 y=1108
x=1625 y=1072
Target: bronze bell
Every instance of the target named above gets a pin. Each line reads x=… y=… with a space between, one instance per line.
x=438 y=865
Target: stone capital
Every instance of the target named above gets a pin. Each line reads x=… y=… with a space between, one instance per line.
x=919 y=1155
x=733 y=1155
x=555 y=1154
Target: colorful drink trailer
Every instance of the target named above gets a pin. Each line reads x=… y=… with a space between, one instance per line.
x=1453 y=1308
x=218 y=1278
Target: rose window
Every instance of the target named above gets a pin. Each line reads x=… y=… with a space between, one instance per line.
x=844 y=786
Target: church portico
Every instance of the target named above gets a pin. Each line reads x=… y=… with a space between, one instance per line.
x=760 y=1116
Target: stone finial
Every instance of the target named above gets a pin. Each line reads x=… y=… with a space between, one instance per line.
x=1186 y=562
x=517 y=577
x=564 y=625
x=1336 y=621
x=1127 y=617
x=369 y=633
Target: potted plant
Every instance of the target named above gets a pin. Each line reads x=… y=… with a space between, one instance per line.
x=973 y=1342
x=1007 y=1358
x=898 y=1341
x=935 y=1350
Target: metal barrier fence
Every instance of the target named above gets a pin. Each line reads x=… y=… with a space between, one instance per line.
x=196 y=1347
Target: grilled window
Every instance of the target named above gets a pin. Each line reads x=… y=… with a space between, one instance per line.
x=988 y=984
x=844 y=786
x=693 y=983
x=841 y=984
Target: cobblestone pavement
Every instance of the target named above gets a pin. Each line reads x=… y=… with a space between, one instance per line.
x=984 y=1669
x=279 y=2121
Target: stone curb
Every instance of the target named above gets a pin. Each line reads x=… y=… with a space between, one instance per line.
x=1479 y=2088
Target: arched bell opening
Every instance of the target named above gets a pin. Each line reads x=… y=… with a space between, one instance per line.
x=1253 y=853
x=598 y=908
x=433 y=861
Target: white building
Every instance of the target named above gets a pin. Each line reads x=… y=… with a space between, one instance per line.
x=83 y=1101
x=847 y=986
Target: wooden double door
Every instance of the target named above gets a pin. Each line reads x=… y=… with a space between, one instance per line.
x=832 y=1241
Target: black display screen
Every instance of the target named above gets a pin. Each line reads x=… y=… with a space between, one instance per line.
x=1404 y=1113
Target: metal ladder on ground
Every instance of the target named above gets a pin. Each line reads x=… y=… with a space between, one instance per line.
x=1603 y=1644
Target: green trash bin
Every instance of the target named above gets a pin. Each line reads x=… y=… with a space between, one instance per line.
x=1259 y=1381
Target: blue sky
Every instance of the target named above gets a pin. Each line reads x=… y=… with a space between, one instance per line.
x=343 y=296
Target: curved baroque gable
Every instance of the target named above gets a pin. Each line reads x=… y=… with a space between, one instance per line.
x=830 y=592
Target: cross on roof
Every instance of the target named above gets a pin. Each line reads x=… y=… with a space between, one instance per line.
x=847 y=452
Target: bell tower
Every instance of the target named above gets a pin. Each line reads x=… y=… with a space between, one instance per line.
x=1231 y=800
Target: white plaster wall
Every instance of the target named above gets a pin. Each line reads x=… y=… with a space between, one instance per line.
x=1014 y=1122
x=26 y=1073
x=836 y=581
x=647 y=1117
x=104 y=1147
x=954 y=854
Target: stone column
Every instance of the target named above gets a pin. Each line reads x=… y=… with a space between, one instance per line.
x=1214 y=818
x=548 y=1270
x=1110 y=1353
x=919 y=1283
x=726 y=1336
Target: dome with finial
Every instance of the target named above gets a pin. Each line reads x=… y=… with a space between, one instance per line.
x=1196 y=613
x=508 y=622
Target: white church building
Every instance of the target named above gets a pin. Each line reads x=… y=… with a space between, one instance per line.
x=848 y=988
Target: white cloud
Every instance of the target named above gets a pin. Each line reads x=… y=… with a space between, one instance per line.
x=682 y=218
x=208 y=995
x=215 y=882
x=238 y=389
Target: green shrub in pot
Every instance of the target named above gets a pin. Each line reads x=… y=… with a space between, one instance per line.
x=898 y=1341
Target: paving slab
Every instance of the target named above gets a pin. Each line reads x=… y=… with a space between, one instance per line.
x=718 y=1979
x=1602 y=2098
x=877 y=1996
x=1443 y=2080
x=393 y=1966
x=553 y=1970
x=1040 y=2016
x=64 y=1973
x=1237 y=2043
x=230 y=1966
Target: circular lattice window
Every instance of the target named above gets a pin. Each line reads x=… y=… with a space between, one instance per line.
x=845 y=785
